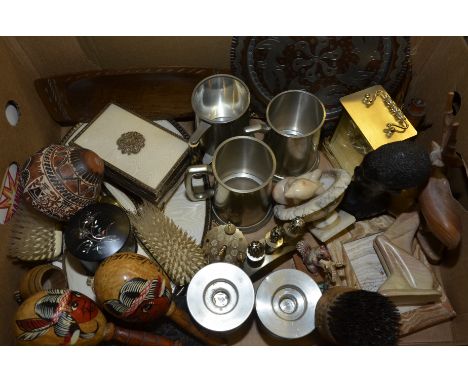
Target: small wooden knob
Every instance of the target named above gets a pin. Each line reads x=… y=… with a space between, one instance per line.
x=135 y=337
x=93 y=162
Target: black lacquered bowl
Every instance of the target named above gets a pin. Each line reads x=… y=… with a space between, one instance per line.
x=99 y=231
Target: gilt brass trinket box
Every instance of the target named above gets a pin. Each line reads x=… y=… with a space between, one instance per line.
x=370 y=119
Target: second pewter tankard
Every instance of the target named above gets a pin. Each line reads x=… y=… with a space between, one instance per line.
x=243 y=169
x=294 y=121
x=221 y=105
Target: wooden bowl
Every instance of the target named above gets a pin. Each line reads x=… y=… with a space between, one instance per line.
x=42 y=277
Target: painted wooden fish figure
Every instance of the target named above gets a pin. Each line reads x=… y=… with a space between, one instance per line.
x=62 y=310
x=141 y=300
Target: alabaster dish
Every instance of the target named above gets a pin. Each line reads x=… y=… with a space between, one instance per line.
x=332 y=186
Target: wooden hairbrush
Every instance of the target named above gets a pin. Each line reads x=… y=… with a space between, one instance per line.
x=173 y=248
x=348 y=316
x=34 y=236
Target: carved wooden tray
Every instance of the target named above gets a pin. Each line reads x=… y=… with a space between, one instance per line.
x=329 y=67
x=154 y=93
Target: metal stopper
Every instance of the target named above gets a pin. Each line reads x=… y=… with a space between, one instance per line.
x=230 y=229
x=222 y=253
x=276 y=234
x=256 y=249
x=296 y=225
x=256 y=253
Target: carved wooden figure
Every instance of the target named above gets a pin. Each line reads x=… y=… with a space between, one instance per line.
x=449 y=138
x=439 y=208
x=409 y=281
x=437 y=203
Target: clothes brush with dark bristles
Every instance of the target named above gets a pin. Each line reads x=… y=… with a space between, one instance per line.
x=364 y=318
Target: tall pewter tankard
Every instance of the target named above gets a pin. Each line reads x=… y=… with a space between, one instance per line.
x=243 y=169
x=294 y=120
x=221 y=104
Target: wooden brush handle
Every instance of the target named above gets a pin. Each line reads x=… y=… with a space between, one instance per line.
x=182 y=319
x=323 y=307
x=135 y=337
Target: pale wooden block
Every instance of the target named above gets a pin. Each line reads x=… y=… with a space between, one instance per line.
x=365 y=263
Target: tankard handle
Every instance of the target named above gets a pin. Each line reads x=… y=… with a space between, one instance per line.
x=196 y=196
x=259 y=127
x=201 y=127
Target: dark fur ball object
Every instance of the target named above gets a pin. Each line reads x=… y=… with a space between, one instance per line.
x=397 y=166
x=364 y=318
x=364 y=202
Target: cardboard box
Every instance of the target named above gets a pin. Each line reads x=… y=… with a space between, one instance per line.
x=439 y=66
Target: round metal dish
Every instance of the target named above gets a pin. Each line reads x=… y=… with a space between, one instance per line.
x=328 y=67
x=220 y=297
x=286 y=301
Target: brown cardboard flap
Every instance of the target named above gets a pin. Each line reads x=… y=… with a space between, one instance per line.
x=440 y=66
x=55 y=55
x=138 y=51
x=34 y=130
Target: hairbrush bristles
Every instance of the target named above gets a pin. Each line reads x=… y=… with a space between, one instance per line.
x=34 y=236
x=172 y=248
x=358 y=317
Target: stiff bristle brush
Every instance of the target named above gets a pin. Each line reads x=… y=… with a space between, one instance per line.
x=34 y=236
x=171 y=247
x=348 y=316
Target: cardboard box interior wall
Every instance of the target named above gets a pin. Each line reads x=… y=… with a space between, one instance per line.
x=439 y=66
